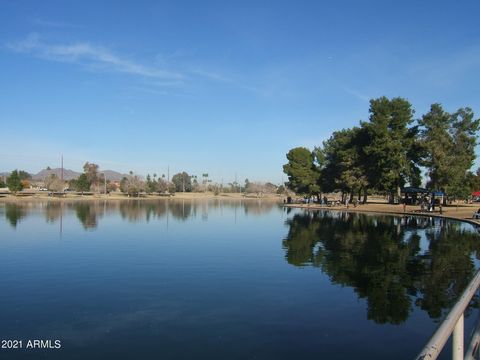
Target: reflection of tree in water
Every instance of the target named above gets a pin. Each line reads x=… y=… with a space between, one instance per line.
x=87 y=214
x=258 y=207
x=14 y=213
x=380 y=257
x=181 y=210
x=155 y=210
x=137 y=210
x=448 y=268
x=132 y=210
x=53 y=211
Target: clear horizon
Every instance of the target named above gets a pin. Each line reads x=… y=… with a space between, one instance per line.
x=224 y=89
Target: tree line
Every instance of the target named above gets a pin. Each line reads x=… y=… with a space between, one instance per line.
x=17 y=181
x=93 y=180
x=389 y=151
x=133 y=185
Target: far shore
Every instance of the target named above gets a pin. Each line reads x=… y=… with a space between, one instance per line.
x=43 y=196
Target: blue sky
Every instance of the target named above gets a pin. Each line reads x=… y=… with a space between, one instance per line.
x=218 y=86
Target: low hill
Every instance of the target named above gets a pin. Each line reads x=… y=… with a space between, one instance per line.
x=67 y=174
x=70 y=174
x=114 y=175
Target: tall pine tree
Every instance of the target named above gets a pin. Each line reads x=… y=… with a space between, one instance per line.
x=390 y=150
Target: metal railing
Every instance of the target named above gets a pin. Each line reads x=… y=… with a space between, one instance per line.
x=453 y=323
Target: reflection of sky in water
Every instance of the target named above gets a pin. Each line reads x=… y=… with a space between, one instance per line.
x=181 y=280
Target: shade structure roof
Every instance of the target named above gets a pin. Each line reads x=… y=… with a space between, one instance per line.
x=414 y=190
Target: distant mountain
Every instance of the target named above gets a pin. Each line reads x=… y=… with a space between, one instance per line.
x=70 y=174
x=113 y=175
x=67 y=174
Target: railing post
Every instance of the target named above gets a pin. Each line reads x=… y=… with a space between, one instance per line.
x=453 y=322
x=457 y=342
x=472 y=351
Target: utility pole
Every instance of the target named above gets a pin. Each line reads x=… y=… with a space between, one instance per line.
x=236 y=183
x=63 y=186
x=205 y=180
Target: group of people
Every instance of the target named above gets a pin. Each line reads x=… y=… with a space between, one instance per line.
x=428 y=205
x=347 y=202
x=324 y=201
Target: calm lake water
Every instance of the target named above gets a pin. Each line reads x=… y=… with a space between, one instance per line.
x=225 y=280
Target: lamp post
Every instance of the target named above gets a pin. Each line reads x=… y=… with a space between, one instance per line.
x=205 y=180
